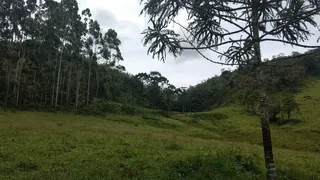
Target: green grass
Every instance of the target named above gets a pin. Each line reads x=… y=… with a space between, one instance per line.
x=37 y=145
x=222 y=144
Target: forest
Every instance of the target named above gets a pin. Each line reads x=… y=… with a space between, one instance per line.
x=56 y=58
x=53 y=57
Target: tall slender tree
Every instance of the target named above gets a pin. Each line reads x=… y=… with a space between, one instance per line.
x=239 y=26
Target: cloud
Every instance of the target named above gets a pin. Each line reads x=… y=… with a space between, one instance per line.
x=188 y=69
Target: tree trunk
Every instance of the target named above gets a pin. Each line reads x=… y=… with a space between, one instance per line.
x=33 y=88
x=54 y=82
x=77 y=88
x=69 y=84
x=58 y=80
x=89 y=80
x=97 y=88
x=16 y=78
x=8 y=80
x=18 y=83
x=61 y=87
x=265 y=125
x=78 y=83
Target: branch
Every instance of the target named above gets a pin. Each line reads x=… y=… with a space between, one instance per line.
x=205 y=57
x=216 y=45
x=215 y=62
x=291 y=43
x=206 y=12
x=278 y=30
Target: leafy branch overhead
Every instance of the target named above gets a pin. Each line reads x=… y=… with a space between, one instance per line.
x=226 y=25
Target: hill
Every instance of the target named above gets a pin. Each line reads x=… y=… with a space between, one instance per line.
x=221 y=144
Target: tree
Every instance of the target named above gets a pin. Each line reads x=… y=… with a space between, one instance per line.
x=155 y=83
x=169 y=94
x=43 y=59
x=274 y=110
x=241 y=27
x=289 y=104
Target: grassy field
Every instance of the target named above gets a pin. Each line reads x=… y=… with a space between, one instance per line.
x=222 y=144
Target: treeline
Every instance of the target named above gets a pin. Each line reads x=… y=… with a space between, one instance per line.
x=284 y=74
x=53 y=56
x=50 y=54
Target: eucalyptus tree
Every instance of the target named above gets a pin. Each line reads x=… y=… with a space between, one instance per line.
x=238 y=26
x=86 y=14
x=75 y=38
x=68 y=16
x=50 y=33
x=110 y=56
x=91 y=45
x=11 y=21
x=46 y=47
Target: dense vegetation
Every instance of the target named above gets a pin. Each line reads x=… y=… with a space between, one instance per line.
x=284 y=74
x=53 y=56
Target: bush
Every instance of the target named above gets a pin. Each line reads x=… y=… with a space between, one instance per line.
x=99 y=107
x=128 y=109
x=274 y=110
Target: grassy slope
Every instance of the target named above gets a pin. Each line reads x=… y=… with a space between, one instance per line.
x=36 y=145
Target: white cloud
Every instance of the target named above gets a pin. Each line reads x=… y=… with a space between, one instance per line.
x=188 y=69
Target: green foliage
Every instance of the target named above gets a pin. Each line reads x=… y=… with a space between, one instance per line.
x=100 y=107
x=289 y=104
x=127 y=109
x=283 y=74
x=274 y=110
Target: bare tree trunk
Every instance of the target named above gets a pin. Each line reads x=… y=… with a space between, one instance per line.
x=265 y=125
x=78 y=88
x=16 y=84
x=8 y=80
x=69 y=84
x=33 y=89
x=97 y=89
x=18 y=92
x=78 y=83
x=89 y=80
x=45 y=98
x=16 y=77
x=58 y=80
x=54 y=82
x=61 y=87
x=18 y=80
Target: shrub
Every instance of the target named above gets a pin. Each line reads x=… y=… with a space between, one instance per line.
x=99 y=107
x=128 y=109
x=274 y=110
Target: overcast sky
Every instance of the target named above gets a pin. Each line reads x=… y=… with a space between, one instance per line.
x=188 y=69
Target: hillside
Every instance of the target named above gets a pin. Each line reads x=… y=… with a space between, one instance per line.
x=221 y=144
